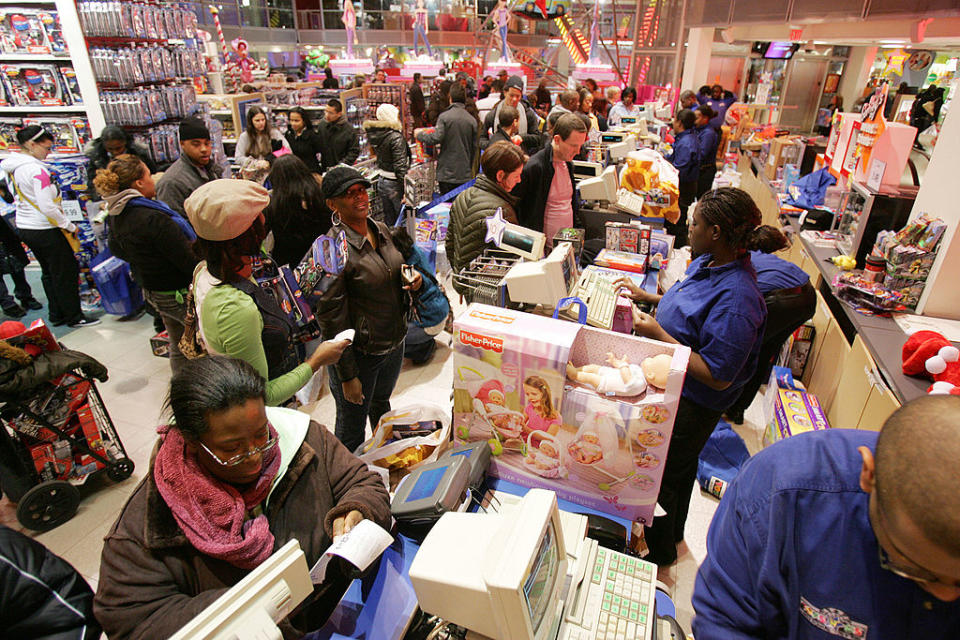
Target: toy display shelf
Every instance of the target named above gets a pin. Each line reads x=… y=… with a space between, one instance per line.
x=34 y=109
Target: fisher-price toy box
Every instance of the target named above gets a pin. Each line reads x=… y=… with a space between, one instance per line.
x=560 y=413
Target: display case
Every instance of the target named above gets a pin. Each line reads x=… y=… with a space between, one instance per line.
x=865 y=212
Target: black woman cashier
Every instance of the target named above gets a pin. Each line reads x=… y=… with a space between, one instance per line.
x=718 y=311
x=369 y=297
x=236 y=317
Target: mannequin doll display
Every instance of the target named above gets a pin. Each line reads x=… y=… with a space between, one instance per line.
x=349 y=20
x=421 y=26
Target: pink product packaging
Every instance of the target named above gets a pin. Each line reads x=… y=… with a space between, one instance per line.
x=582 y=411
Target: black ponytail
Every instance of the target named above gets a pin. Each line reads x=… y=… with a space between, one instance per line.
x=767 y=239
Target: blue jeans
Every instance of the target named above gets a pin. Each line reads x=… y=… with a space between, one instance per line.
x=503 y=43
x=378 y=376
x=419 y=32
x=391 y=196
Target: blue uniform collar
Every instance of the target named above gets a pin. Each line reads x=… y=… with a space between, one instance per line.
x=699 y=267
x=685 y=132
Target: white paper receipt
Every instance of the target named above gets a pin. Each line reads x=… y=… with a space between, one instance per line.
x=346 y=334
x=360 y=547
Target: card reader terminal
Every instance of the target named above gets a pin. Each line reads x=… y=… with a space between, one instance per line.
x=432 y=490
x=477 y=455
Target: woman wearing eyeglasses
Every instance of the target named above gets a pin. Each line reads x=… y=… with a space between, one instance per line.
x=231 y=480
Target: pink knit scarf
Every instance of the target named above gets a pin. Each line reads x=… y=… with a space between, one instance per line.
x=213 y=513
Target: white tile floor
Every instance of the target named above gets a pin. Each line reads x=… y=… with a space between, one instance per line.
x=134 y=397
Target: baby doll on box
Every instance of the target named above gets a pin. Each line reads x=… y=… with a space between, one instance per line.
x=585 y=412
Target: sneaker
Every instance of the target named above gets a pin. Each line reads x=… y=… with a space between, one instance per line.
x=14 y=311
x=84 y=322
x=31 y=303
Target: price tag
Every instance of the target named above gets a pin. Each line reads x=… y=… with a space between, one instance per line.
x=875 y=176
x=72 y=210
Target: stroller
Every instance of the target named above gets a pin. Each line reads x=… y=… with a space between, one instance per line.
x=56 y=433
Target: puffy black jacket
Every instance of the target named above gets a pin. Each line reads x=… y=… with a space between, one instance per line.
x=339 y=143
x=305 y=146
x=41 y=595
x=367 y=297
x=393 y=152
x=467 y=231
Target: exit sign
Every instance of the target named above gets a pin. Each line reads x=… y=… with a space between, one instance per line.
x=796 y=35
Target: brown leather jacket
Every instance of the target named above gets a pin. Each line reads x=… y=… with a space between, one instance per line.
x=153 y=581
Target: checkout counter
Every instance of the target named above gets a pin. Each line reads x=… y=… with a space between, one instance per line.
x=854 y=366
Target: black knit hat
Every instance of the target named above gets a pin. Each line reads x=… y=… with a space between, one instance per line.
x=193 y=129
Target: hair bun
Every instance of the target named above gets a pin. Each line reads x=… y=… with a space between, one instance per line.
x=107 y=183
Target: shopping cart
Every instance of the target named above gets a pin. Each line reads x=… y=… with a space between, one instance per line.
x=56 y=434
x=483 y=280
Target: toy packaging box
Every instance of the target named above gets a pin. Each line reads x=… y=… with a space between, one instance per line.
x=584 y=412
x=789 y=408
x=32 y=84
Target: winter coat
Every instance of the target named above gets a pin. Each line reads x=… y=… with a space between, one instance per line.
x=44 y=598
x=368 y=297
x=467 y=231
x=99 y=158
x=432 y=305
x=456 y=133
x=306 y=146
x=38 y=199
x=160 y=255
x=21 y=373
x=339 y=143
x=529 y=127
x=295 y=231
x=393 y=152
x=153 y=581
x=534 y=188
x=183 y=178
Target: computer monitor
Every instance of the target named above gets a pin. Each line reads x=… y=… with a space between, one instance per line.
x=522 y=241
x=620 y=150
x=603 y=188
x=545 y=281
x=497 y=576
x=612 y=136
x=252 y=607
x=583 y=169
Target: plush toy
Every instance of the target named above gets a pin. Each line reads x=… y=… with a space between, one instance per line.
x=929 y=354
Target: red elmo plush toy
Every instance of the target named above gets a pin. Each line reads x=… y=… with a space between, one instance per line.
x=929 y=354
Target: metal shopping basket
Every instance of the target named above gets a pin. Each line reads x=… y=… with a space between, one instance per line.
x=483 y=280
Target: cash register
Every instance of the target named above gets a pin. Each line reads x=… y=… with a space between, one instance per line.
x=517 y=577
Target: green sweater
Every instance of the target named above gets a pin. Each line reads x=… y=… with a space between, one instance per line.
x=232 y=326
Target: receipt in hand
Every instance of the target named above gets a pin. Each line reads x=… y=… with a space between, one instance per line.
x=360 y=547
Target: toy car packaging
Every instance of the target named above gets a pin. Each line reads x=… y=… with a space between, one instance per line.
x=32 y=84
x=581 y=411
x=8 y=134
x=21 y=31
x=71 y=88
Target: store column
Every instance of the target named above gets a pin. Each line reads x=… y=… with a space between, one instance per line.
x=856 y=72
x=938 y=197
x=696 y=62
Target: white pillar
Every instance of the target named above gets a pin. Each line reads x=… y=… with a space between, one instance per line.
x=938 y=197
x=77 y=46
x=856 y=72
x=696 y=62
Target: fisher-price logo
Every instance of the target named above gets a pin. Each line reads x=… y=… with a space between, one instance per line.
x=483 y=342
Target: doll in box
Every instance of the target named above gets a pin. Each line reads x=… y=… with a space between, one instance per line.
x=544 y=456
x=619 y=379
x=587 y=449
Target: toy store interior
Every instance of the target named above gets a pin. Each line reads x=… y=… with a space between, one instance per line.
x=450 y=319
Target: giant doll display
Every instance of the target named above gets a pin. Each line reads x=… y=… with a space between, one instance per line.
x=421 y=26
x=349 y=20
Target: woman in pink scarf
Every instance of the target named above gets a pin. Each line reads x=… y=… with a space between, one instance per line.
x=231 y=481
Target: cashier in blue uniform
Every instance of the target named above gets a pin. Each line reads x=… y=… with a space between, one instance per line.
x=686 y=158
x=707 y=141
x=841 y=533
x=791 y=301
x=719 y=313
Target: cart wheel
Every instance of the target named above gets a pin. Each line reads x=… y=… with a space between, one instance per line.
x=48 y=505
x=120 y=470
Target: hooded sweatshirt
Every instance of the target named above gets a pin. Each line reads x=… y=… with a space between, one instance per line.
x=38 y=200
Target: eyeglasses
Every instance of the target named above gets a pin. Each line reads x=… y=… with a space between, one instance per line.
x=915 y=573
x=237 y=459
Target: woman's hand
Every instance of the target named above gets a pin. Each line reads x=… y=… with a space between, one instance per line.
x=343 y=524
x=625 y=286
x=327 y=353
x=645 y=325
x=353 y=391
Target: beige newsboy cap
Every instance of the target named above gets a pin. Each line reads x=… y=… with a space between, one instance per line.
x=223 y=209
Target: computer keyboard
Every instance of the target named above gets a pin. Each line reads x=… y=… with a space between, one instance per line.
x=597 y=292
x=629 y=202
x=612 y=597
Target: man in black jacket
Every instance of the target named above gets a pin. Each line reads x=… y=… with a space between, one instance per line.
x=339 y=142
x=507 y=129
x=548 y=196
x=456 y=133
x=528 y=124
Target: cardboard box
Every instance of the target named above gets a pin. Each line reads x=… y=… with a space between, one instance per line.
x=790 y=408
x=599 y=450
x=783 y=150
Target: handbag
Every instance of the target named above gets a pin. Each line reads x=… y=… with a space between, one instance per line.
x=191 y=342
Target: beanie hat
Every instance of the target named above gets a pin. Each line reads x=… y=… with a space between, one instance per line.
x=513 y=82
x=388 y=113
x=193 y=129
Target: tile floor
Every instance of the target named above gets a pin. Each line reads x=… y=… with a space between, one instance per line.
x=134 y=397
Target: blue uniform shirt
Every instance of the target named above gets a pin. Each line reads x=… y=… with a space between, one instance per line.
x=686 y=156
x=791 y=554
x=774 y=273
x=720 y=314
x=708 y=141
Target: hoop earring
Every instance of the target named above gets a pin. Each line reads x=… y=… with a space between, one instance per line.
x=335 y=218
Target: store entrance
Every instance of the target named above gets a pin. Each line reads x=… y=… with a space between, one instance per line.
x=803 y=95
